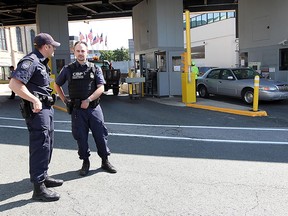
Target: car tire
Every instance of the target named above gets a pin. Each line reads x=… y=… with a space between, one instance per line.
x=248 y=95
x=202 y=91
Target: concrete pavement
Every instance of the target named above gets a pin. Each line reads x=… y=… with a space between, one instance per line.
x=144 y=184
x=201 y=103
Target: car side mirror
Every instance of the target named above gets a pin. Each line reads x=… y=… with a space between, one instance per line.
x=230 y=78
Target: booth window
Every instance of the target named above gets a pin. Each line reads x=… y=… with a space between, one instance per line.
x=283 y=65
x=176 y=63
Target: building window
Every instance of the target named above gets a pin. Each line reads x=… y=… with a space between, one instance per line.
x=194 y=22
x=19 y=39
x=231 y=14
x=198 y=52
x=216 y=17
x=198 y=21
x=32 y=36
x=3 y=44
x=283 y=59
x=210 y=18
x=223 y=15
x=204 y=19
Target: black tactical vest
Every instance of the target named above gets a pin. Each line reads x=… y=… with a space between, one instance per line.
x=81 y=83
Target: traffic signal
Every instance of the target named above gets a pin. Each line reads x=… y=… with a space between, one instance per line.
x=184 y=61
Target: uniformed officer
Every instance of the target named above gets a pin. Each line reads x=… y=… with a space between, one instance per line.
x=85 y=86
x=194 y=69
x=30 y=81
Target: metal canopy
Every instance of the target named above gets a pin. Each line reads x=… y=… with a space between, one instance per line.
x=22 y=12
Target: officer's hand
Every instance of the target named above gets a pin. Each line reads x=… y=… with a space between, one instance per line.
x=37 y=106
x=84 y=104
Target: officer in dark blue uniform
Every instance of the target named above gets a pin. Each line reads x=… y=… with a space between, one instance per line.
x=85 y=86
x=31 y=82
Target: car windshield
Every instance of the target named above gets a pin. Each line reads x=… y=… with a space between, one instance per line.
x=244 y=73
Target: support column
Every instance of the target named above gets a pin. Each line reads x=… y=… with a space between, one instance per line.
x=53 y=20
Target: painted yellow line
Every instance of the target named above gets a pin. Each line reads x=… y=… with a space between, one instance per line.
x=60 y=108
x=227 y=110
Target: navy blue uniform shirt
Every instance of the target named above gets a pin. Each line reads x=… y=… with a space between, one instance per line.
x=65 y=73
x=33 y=71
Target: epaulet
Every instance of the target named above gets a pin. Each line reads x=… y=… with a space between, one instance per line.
x=71 y=66
x=92 y=66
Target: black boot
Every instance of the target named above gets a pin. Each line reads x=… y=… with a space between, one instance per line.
x=51 y=182
x=43 y=194
x=107 y=166
x=85 y=167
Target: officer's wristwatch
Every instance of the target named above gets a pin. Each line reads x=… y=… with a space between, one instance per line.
x=88 y=100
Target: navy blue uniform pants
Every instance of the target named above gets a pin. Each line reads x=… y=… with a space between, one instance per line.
x=41 y=138
x=93 y=119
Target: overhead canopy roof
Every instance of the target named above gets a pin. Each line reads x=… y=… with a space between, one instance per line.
x=22 y=12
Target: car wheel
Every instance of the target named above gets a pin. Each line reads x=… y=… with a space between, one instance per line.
x=202 y=91
x=248 y=95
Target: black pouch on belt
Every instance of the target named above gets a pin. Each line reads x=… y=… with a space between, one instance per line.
x=69 y=107
x=26 y=108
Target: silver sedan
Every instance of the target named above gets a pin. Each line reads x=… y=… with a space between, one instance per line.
x=239 y=82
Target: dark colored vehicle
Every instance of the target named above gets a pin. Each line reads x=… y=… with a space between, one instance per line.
x=239 y=83
x=111 y=75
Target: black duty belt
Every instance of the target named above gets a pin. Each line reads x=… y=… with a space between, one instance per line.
x=45 y=99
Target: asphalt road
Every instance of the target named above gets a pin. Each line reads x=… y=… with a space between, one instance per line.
x=171 y=160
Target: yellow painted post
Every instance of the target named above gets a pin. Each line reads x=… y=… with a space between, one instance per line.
x=52 y=80
x=130 y=88
x=256 y=93
x=188 y=39
x=187 y=96
x=52 y=77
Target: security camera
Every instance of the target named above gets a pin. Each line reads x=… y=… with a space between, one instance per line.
x=283 y=43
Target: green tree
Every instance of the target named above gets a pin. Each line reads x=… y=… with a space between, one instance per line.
x=121 y=54
x=106 y=55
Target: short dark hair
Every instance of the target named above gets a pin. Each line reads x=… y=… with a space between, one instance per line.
x=80 y=42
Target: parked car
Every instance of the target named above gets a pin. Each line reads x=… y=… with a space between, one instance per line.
x=239 y=82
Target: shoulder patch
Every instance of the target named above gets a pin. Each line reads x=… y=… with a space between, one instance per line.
x=26 y=64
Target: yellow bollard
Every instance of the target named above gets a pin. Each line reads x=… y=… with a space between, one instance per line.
x=256 y=93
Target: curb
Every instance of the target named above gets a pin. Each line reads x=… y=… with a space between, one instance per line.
x=231 y=111
x=211 y=108
x=60 y=108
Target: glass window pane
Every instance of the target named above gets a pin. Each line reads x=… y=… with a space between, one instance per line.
x=231 y=14
x=19 y=39
x=194 y=23
x=223 y=15
x=204 y=19
x=3 y=45
x=199 y=20
x=210 y=17
x=216 y=17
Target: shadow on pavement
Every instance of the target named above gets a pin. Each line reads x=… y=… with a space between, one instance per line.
x=13 y=189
